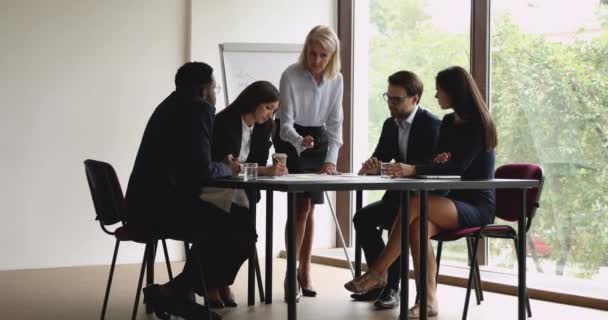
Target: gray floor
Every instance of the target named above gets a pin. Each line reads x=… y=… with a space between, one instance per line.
x=77 y=293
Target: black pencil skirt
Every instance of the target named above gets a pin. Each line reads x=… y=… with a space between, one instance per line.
x=308 y=161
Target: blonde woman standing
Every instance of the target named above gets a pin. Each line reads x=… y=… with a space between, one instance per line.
x=309 y=130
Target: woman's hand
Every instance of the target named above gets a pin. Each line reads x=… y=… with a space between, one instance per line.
x=370 y=166
x=329 y=168
x=309 y=142
x=277 y=169
x=400 y=170
x=442 y=158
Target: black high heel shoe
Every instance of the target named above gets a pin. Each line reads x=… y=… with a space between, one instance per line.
x=228 y=297
x=307 y=292
x=165 y=306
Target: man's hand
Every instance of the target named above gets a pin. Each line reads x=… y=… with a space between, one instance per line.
x=234 y=164
x=329 y=168
x=370 y=166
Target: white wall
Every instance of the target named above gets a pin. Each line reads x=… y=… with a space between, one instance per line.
x=275 y=21
x=78 y=80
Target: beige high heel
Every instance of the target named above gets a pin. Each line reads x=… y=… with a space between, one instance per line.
x=356 y=285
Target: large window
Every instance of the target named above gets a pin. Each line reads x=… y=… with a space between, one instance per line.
x=549 y=96
x=393 y=35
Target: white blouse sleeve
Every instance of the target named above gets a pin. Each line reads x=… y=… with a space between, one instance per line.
x=334 y=124
x=287 y=115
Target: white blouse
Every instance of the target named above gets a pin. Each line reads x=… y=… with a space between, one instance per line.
x=224 y=197
x=307 y=104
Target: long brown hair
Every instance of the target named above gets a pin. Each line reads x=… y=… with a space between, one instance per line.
x=467 y=101
x=255 y=94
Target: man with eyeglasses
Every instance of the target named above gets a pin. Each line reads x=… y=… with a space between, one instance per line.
x=409 y=136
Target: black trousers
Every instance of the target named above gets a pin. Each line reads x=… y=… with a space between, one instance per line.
x=369 y=223
x=222 y=240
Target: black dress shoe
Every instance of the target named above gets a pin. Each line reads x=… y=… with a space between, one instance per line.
x=215 y=304
x=165 y=306
x=388 y=299
x=367 y=296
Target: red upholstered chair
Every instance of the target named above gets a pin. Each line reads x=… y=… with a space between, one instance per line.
x=508 y=206
x=111 y=209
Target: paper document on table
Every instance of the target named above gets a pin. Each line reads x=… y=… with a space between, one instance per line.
x=311 y=176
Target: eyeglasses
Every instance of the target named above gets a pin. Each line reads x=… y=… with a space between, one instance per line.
x=217 y=89
x=392 y=99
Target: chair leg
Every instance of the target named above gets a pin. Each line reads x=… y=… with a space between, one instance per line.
x=150 y=269
x=203 y=283
x=528 y=307
x=471 y=254
x=438 y=260
x=471 y=271
x=478 y=274
x=139 y=282
x=109 y=285
x=258 y=273
x=169 y=271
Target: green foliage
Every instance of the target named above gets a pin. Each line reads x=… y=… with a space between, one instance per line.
x=406 y=40
x=549 y=100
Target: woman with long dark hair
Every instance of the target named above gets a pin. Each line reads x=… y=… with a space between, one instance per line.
x=242 y=132
x=467 y=140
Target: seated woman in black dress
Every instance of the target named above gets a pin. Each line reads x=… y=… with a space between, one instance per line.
x=467 y=139
x=241 y=131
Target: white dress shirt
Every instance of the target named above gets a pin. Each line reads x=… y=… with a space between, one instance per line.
x=307 y=104
x=224 y=197
x=404 y=126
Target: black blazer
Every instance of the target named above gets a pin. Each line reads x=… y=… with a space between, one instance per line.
x=421 y=144
x=227 y=138
x=173 y=162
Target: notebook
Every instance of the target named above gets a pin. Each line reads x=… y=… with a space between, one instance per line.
x=437 y=176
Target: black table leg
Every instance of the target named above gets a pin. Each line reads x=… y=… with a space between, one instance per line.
x=358 y=205
x=521 y=257
x=423 y=253
x=269 y=255
x=252 y=255
x=291 y=256
x=405 y=257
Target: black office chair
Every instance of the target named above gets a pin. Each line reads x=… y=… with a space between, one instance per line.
x=111 y=209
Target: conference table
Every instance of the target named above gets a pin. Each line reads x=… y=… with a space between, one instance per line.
x=293 y=184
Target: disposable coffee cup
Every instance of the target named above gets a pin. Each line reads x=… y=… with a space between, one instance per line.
x=280 y=157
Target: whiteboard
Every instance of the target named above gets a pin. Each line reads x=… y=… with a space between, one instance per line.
x=244 y=63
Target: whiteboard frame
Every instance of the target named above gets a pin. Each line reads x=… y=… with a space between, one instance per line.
x=252 y=47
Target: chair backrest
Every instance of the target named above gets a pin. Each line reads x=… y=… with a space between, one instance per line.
x=106 y=192
x=508 y=201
